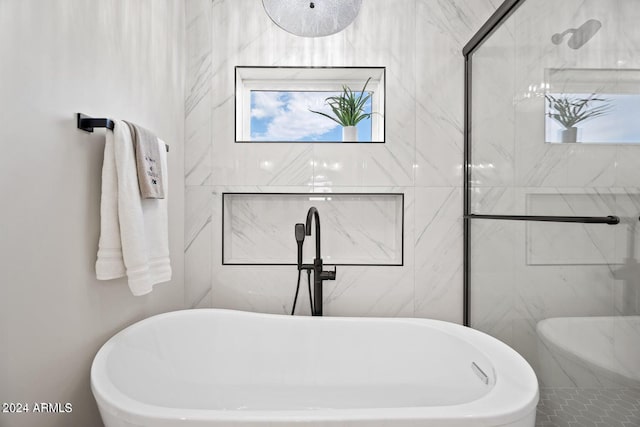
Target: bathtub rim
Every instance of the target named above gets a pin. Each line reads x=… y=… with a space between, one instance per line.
x=516 y=385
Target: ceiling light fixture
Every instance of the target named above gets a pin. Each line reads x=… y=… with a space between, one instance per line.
x=315 y=18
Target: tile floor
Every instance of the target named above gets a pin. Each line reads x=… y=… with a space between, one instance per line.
x=573 y=407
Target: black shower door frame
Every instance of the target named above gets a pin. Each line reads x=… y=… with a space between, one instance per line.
x=504 y=11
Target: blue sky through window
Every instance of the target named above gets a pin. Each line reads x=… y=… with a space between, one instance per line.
x=621 y=124
x=285 y=116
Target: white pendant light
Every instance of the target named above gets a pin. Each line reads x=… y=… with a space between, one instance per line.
x=312 y=18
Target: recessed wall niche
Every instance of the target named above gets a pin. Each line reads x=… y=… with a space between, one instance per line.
x=356 y=228
x=310 y=104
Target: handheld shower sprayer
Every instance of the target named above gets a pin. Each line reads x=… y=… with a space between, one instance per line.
x=299 y=241
x=300 y=233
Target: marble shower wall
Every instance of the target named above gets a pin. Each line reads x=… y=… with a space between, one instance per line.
x=420 y=44
x=523 y=273
x=508 y=126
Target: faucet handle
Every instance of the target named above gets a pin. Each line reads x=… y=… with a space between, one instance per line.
x=331 y=275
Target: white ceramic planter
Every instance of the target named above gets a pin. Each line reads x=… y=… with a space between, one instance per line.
x=569 y=135
x=349 y=134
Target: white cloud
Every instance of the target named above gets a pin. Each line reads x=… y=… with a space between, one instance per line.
x=292 y=119
x=266 y=104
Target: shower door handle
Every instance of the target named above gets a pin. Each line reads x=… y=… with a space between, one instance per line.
x=611 y=219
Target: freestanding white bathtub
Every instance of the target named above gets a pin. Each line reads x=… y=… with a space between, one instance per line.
x=231 y=368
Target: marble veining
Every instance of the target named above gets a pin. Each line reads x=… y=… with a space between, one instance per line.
x=443 y=29
x=198 y=93
x=198 y=245
x=421 y=156
x=356 y=229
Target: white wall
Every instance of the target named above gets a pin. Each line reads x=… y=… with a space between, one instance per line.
x=420 y=44
x=112 y=58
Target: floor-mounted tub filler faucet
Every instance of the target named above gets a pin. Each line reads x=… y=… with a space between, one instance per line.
x=319 y=275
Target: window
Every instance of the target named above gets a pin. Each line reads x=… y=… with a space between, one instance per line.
x=592 y=106
x=284 y=104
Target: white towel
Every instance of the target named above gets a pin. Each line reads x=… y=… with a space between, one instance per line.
x=110 y=264
x=134 y=233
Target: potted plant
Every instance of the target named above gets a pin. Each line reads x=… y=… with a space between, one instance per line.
x=569 y=111
x=348 y=108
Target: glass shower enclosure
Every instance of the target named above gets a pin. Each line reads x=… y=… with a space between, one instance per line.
x=552 y=200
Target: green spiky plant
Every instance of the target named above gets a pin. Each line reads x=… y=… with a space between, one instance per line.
x=348 y=107
x=569 y=111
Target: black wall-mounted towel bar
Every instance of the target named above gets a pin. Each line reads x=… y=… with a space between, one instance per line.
x=87 y=124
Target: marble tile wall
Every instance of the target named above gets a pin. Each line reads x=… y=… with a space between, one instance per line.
x=356 y=229
x=420 y=44
x=508 y=72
